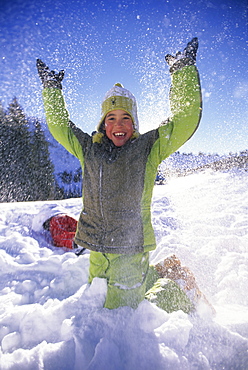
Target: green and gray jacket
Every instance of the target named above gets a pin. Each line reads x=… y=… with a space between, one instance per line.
x=118 y=181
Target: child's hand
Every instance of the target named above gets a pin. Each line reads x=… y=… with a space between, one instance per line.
x=49 y=78
x=185 y=58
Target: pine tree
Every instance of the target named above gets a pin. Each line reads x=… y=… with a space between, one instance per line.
x=26 y=171
x=42 y=169
x=16 y=155
x=3 y=141
x=2 y=113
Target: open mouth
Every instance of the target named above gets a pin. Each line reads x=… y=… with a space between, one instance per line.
x=119 y=134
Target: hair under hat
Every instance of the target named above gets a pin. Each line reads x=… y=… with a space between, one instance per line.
x=119 y=98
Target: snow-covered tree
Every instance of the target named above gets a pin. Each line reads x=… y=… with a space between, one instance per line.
x=26 y=172
x=42 y=169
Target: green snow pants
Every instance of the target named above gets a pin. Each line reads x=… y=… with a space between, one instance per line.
x=130 y=280
x=125 y=274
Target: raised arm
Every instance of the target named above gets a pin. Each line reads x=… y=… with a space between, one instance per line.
x=185 y=100
x=57 y=116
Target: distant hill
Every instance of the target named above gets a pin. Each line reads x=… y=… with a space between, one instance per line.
x=185 y=164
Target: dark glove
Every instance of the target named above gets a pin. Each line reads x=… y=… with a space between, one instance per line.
x=185 y=58
x=49 y=78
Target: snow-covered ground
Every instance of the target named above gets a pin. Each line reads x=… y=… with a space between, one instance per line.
x=51 y=319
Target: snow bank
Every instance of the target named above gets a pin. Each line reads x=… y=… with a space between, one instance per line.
x=50 y=318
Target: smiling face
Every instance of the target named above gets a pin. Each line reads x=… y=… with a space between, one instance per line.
x=119 y=126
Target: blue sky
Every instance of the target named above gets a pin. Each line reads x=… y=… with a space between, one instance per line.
x=99 y=43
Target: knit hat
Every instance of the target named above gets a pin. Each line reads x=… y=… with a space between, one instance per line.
x=119 y=98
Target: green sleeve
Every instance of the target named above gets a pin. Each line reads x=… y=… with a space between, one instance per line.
x=186 y=108
x=185 y=100
x=57 y=118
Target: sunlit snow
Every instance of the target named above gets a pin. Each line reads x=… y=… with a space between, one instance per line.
x=50 y=318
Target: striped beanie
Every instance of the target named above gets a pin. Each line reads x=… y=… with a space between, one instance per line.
x=119 y=98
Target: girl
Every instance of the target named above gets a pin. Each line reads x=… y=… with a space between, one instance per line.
x=119 y=167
